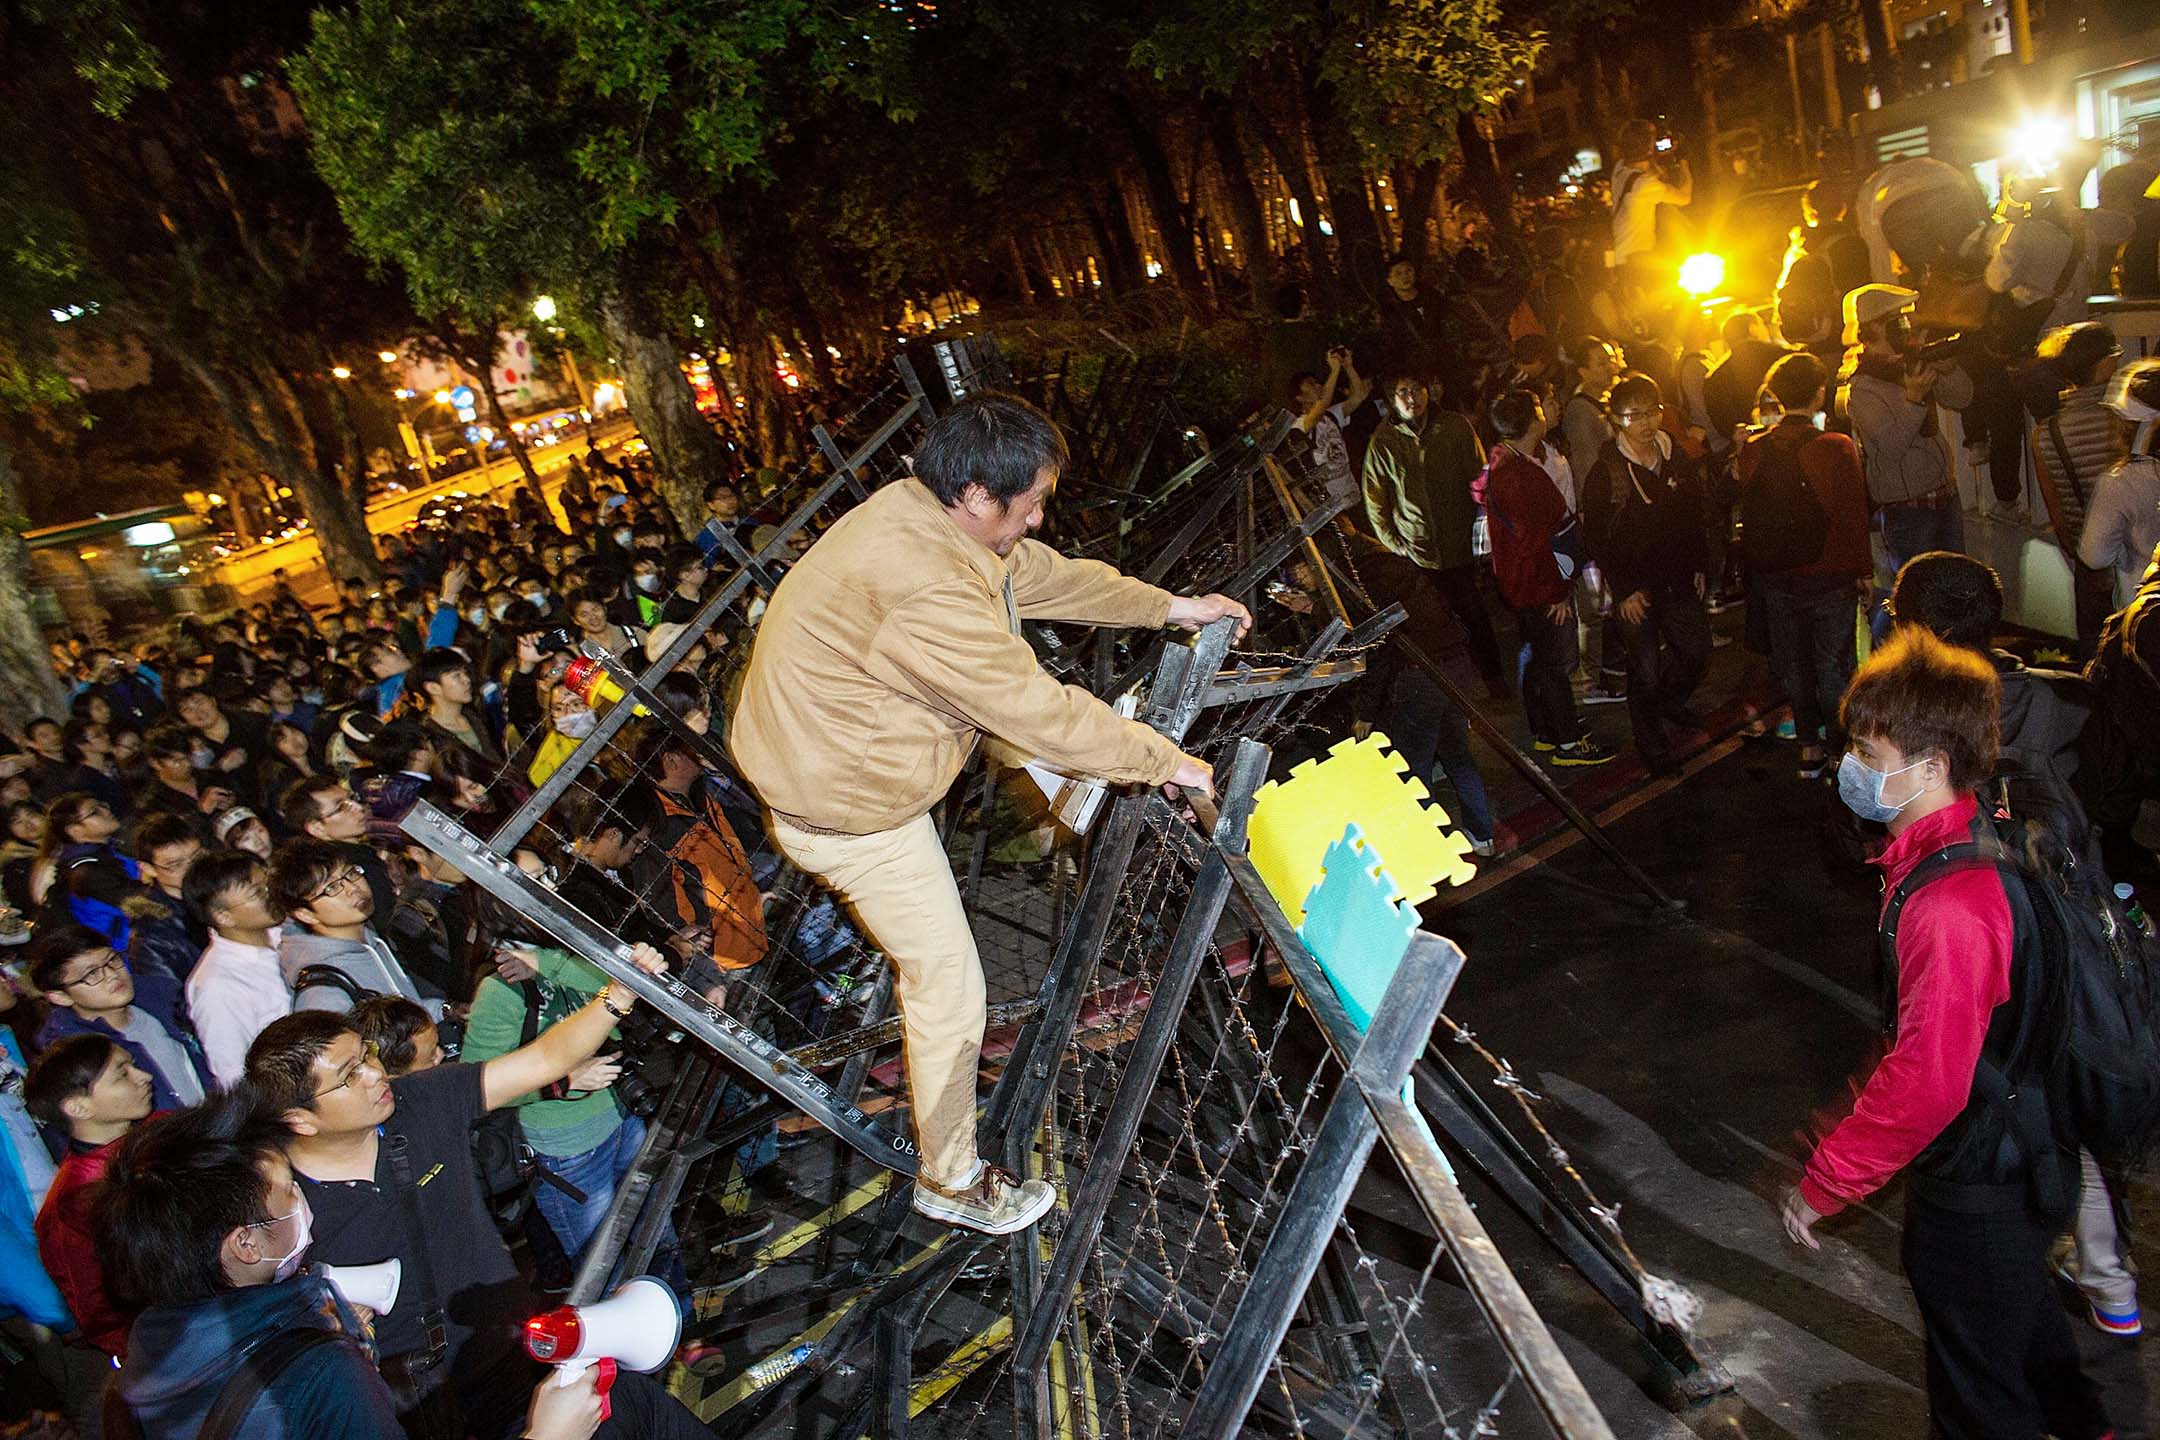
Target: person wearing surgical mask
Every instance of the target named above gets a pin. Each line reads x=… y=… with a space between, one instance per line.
x=202 y=1219
x=1922 y=717
x=2122 y=522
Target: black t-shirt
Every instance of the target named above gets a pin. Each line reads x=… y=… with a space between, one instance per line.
x=484 y=1299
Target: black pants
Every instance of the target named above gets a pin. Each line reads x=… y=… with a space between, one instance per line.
x=1812 y=621
x=2001 y=1361
x=1667 y=652
x=1460 y=586
x=1550 y=651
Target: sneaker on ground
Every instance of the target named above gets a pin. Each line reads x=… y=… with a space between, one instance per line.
x=1481 y=848
x=1719 y=604
x=1786 y=730
x=996 y=1203
x=2117 y=1322
x=1599 y=695
x=1581 y=752
x=1543 y=747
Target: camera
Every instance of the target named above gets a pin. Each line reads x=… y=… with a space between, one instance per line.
x=556 y=641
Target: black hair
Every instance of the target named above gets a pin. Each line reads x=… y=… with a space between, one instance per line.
x=1289 y=299
x=1634 y=387
x=395 y=743
x=63 y=1070
x=1738 y=327
x=281 y=1060
x=999 y=442
x=55 y=946
x=161 y=828
x=168 y=739
x=435 y=664
x=1797 y=379
x=1954 y=596
x=64 y=810
x=714 y=487
x=1536 y=348
x=1513 y=412
x=2078 y=349
x=392 y=1024
x=213 y=873
x=298 y=807
x=178 y=1184
x=299 y=868
x=71 y=737
x=36 y=723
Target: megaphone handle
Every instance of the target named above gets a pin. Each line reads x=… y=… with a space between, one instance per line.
x=604 y=1382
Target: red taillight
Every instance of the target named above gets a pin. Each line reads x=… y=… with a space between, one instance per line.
x=554 y=1336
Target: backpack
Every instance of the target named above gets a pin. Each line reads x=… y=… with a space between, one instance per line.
x=1783 y=526
x=2085 y=1069
x=2121 y=673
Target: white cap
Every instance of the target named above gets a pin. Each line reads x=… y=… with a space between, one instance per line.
x=1870 y=303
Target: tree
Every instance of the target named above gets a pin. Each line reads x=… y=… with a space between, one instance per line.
x=444 y=129
x=158 y=175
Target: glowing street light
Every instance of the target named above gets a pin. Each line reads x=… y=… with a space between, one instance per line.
x=1701 y=275
x=341 y=372
x=543 y=307
x=442 y=397
x=388 y=357
x=2038 y=144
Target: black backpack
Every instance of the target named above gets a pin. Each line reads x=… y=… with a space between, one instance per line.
x=2086 y=1069
x=1783 y=526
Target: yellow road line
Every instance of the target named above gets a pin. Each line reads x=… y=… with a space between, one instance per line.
x=719 y=1402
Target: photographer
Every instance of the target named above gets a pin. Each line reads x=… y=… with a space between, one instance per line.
x=1650 y=174
x=386 y=1168
x=1890 y=397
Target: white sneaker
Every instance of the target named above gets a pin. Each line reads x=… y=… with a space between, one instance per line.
x=996 y=1204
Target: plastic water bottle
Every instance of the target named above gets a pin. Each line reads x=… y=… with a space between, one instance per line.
x=2133 y=908
x=775 y=1368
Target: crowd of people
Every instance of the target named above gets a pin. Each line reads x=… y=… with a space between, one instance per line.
x=253 y=1028
x=1620 y=470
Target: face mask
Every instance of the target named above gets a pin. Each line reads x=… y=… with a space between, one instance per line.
x=536 y=598
x=498 y=611
x=478 y=614
x=202 y=757
x=577 y=724
x=650 y=584
x=1860 y=786
x=303 y=1233
x=622 y=538
x=312 y=695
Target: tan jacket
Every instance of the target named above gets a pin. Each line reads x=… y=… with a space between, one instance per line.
x=895 y=642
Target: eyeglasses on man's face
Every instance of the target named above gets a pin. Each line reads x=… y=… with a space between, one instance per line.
x=369 y=1059
x=343 y=881
x=99 y=972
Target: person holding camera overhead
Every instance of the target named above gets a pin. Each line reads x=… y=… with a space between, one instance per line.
x=1889 y=395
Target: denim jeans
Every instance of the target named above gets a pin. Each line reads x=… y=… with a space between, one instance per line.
x=1810 y=618
x=1667 y=652
x=1906 y=532
x=1433 y=738
x=597 y=1172
x=1550 y=650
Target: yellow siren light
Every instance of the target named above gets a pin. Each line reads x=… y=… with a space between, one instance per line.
x=1702 y=274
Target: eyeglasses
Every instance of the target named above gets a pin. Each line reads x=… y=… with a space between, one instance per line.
x=345 y=802
x=99 y=973
x=1629 y=417
x=341 y=881
x=370 y=1058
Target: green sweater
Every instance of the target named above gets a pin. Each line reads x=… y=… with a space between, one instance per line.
x=1417 y=488
x=496 y=1026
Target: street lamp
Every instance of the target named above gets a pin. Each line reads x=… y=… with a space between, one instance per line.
x=543 y=307
x=341 y=372
x=388 y=357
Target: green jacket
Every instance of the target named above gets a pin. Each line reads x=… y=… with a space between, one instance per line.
x=496 y=1026
x=1417 y=488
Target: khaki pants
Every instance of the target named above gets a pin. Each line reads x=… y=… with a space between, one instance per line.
x=900 y=886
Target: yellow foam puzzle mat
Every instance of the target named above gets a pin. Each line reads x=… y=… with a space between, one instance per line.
x=1296 y=821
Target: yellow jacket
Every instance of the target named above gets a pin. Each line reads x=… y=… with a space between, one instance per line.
x=894 y=643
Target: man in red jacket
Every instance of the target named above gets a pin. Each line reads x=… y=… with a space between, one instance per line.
x=1809 y=607
x=2001 y=1361
x=1536 y=549
x=86 y=1086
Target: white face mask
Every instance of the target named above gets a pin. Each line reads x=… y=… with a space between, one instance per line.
x=577 y=724
x=202 y=757
x=303 y=1235
x=650 y=584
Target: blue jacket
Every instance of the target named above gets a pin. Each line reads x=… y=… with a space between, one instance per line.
x=167 y=946
x=441 y=630
x=163 y=1001
x=181 y=1356
x=26 y=1172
